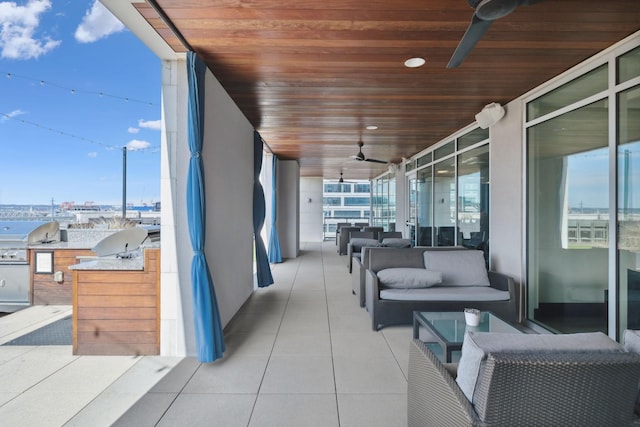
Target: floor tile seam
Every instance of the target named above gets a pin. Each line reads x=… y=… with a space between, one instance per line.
x=395 y=357
x=32 y=348
x=296 y=393
x=42 y=379
x=373 y=393
x=201 y=393
x=106 y=389
x=175 y=397
x=140 y=394
x=73 y=360
x=298 y=261
x=333 y=365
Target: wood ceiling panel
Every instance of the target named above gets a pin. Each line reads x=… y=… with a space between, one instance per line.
x=311 y=74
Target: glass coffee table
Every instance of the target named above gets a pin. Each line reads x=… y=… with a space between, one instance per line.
x=448 y=328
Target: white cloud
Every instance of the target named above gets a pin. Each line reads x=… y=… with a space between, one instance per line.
x=11 y=115
x=18 y=25
x=93 y=154
x=133 y=130
x=150 y=124
x=136 y=144
x=97 y=24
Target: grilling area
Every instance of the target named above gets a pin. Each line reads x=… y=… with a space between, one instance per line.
x=45 y=265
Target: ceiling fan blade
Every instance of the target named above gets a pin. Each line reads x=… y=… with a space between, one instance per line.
x=376 y=161
x=474 y=33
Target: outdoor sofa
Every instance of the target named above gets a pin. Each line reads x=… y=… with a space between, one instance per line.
x=401 y=281
x=356 y=245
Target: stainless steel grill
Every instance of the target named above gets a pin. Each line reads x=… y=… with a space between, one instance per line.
x=14 y=264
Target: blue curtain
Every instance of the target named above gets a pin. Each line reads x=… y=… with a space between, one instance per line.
x=208 y=328
x=259 y=212
x=274 y=242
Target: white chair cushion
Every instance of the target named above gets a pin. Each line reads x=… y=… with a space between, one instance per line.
x=408 y=278
x=631 y=343
x=458 y=268
x=477 y=345
x=631 y=340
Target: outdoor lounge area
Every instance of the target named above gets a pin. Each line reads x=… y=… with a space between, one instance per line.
x=299 y=353
x=308 y=317
x=522 y=149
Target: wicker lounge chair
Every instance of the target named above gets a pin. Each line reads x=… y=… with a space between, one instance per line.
x=590 y=388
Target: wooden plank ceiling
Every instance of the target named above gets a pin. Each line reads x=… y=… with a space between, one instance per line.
x=310 y=75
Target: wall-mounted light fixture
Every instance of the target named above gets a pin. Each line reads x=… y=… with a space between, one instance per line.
x=490 y=115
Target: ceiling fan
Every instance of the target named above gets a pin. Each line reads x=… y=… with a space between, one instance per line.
x=342 y=181
x=361 y=157
x=486 y=11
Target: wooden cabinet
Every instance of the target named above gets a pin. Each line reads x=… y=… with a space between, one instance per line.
x=117 y=311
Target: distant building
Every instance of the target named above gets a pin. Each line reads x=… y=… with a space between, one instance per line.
x=345 y=202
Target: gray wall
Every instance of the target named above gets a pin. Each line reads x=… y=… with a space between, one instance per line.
x=288 y=218
x=228 y=159
x=506 y=193
x=311 y=209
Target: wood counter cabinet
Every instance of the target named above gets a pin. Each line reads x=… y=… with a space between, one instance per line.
x=116 y=306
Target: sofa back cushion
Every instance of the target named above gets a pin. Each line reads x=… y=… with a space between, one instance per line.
x=458 y=267
x=357 y=243
x=395 y=242
x=408 y=278
x=477 y=346
x=384 y=257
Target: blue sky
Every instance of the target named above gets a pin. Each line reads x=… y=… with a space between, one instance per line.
x=75 y=87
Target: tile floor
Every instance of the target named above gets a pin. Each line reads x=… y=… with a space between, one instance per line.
x=299 y=353
x=48 y=386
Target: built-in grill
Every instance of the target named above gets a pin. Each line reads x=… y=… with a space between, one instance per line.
x=15 y=237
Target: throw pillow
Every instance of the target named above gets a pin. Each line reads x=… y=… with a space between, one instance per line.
x=408 y=278
x=458 y=268
x=357 y=243
x=393 y=242
x=631 y=340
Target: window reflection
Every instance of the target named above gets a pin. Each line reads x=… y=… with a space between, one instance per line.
x=629 y=208
x=568 y=211
x=473 y=199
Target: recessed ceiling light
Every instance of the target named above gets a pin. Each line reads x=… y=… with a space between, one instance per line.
x=371 y=127
x=414 y=62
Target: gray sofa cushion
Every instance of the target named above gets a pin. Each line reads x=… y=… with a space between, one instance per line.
x=458 y=268
x=477 y=345
x=408 y=278
x=446 y=293
x=393 y=242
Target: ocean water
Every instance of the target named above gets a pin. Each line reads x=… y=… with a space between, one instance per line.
x=18 y=229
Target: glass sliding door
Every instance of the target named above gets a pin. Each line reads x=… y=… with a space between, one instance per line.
x=392 y=204
x=444 y=204
x=568 y=217
x=628 y=142
x=473 y=199
x=412 y=208
x=424 y=207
